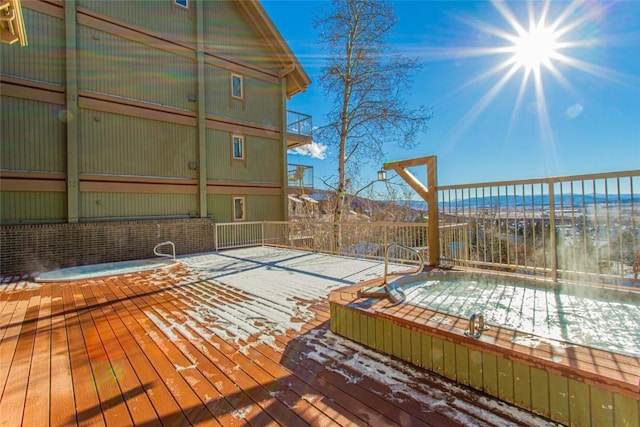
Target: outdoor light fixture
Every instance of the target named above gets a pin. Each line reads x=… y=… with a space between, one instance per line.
x=382 y=175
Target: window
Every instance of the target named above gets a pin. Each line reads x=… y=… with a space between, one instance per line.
x=182 y=3
x=237 y=147
x=237 y=86
x=238 y=209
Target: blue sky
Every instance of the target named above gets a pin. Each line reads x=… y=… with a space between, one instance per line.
x=488 y=125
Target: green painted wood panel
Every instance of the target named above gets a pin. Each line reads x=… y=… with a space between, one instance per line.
x=559 y=398
x=522 y=385
x=25 y=206
x=156 y=16
x=32 y=135
x=437 y=356
x=117 y=66
x=505 y=379
x=229 y=34
x=123 y=145
x=357 y=320
x=539 y=391
x=416 y=348
x=347 y=330
x=579 y=403
x=117 y=205
x=43 y=59
x=462 y=364
x=263 y=159
x=476 y=369
x=601 y=407
x=405 y=354
x=426 y=345
x=449 y=360
x=379 y=343
x=333 y=318
x=371 y=331
x=258 y=207
x=626 y=411
x=396 y=340
x=387 y=343
x=490 y=374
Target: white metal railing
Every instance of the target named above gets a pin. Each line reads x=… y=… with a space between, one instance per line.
x=362 y=239
x=162 y=254
x=587 y=225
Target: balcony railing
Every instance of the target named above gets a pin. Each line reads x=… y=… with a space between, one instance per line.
x=299 y=129
x=586 y=226
x=299 y=124
x=580 y=227
x=300 y=177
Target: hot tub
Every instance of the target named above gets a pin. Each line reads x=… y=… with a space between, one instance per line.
x=534 y=354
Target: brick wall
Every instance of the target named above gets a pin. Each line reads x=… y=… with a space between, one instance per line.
x=44 y=247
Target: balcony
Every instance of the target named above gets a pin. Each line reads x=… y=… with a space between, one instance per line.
x=299 y=129
x=300 y=178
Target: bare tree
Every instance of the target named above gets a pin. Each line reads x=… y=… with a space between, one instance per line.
x=367 y=80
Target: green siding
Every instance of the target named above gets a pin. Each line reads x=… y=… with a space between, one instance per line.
x=626 y=411
x=540 y=391
x=601 y=407
x=559 y=398
x=263 y=160
x=449 y=366
x=505 y=380
x=114 y=144
x=158 y=16
x=259 y=208
x=109 y=205
x=522 y=386
x=462 y=364
x=490 y=374
x=437 y=354
x=43 y=59
x=25 y=206
x=475 y=369
x=579 y=405
x=117 y=66
x=32 y=135
x=230 y=35
x=426 y=345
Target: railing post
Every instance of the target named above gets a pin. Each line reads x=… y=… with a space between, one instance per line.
x=432 y=212
x=262 y=232
x=552 y=229
x=215 y=237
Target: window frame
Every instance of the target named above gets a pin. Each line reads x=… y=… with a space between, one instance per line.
x=185 y=6
x=231 y=87
x=242 y=139
x=243 y=208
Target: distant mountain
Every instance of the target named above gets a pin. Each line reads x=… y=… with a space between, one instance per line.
x=529 y=201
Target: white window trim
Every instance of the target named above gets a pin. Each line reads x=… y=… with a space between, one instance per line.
x=243 y=200
x=241 y=86
x=185 y=6
x=233 y=146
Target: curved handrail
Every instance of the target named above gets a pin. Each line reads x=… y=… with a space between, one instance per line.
x=173 y=250
x=386 y=261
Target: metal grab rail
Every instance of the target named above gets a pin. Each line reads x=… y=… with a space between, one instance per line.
x=173 y=250
x=386 y=261
x=473 y=331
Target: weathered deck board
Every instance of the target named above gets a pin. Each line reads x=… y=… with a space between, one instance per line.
x=206 y=346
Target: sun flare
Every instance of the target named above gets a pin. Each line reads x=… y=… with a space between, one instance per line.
x=535 y=47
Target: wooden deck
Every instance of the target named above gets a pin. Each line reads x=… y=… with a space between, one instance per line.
x=216 y=340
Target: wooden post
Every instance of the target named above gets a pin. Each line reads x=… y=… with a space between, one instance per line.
x=429 y=194
x=432 y=212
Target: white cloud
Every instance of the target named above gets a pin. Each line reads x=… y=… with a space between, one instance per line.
x=574 y=111
x=315 y=150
